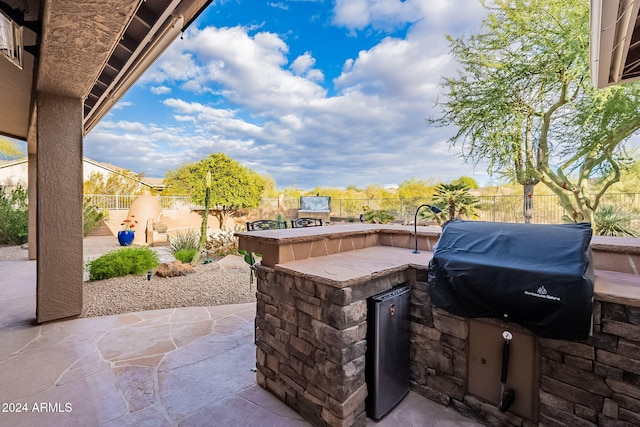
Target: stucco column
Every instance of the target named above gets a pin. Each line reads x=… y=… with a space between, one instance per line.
x=59 y=207
x=33 y=202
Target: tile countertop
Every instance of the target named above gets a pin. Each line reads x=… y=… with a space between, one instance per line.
x=364 y=263
x=306 y=234
x=354 y=267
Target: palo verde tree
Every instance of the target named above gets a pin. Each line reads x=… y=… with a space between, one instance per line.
x=233 y=186
x=522 y=100
x=412 y=193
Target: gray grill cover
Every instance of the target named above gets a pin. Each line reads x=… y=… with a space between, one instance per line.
x=539 y=276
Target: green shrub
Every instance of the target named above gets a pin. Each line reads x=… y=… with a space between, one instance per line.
x=14 y=217
x=611 y=221
x=184 y=240
x=122 y=262
x=378 y=217
x=185 y=255
x=92 y=216
x=224 y=242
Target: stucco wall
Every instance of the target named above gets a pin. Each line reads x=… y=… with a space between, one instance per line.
x=14 y=173
x=176 y=220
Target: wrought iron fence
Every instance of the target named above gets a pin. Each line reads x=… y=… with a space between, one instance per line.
x=401 y=209
x=502 y=208
x=546 y=208
x=121 y=201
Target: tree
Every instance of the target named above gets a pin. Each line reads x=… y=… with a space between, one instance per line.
x=270 y=191
x=14 y=216
x=233 y=186
x=375 y=191
x=412 y=193
x=522 y=100
x=629 y=180
x=468 y=181
x=455 y=200
x=414 y=189
x=9 y=149
x=121 y=181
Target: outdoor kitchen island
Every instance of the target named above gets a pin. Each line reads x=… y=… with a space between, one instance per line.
x=311 y=329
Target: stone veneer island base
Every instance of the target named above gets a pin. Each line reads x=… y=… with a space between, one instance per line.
x=311 y=326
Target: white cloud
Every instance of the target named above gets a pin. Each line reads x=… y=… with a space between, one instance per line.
x=245 y=69
x=173 y=65
x=243 y=95
x=121 y=105
x=397 y=68
x=215 y=120
x=160 y=90
x=279 y=5
x=388 y=14
x=381 y=14
x=303 y=66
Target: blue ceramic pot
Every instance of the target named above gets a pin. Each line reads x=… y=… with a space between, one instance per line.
x=125 y=237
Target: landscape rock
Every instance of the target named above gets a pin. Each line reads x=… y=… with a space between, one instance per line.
x=174 y=269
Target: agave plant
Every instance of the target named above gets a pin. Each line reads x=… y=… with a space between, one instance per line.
x=611 y=221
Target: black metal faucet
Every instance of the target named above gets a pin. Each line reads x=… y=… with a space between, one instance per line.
x=415 y=222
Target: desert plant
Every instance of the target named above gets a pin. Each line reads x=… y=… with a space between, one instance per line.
x=455 y=200
x=184 y=240
x=611 y=221
x=185 y=255
x=14 y=217
x=122 y=262
x=249 y=257
x=92 y=216
x=224 y=242
x=378 y=217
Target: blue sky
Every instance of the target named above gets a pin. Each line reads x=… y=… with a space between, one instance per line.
x=323 y=93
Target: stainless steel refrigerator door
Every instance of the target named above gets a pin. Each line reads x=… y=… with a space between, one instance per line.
x=389 y=346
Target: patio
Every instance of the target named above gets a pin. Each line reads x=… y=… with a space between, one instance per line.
x=188 y=366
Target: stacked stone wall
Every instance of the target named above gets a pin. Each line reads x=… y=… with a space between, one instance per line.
x=438 y=349
x=311 y=347
x=311 y=344
x=595 y=382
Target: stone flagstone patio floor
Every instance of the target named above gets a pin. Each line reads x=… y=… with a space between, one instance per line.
x=187 y=367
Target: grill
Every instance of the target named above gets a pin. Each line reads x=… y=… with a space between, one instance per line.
x=536 y=275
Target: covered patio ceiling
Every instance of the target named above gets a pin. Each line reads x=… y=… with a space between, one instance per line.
x=614 y=42
x=90 y=50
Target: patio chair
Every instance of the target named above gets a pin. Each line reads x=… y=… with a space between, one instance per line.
x=265 y=224
x=261 y=224
x=306 y=222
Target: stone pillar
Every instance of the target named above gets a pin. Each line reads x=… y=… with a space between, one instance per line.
x=33 y=203
x=59 y=207
x=311 y=343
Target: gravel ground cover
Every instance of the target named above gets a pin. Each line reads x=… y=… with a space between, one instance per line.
x=224 y=281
